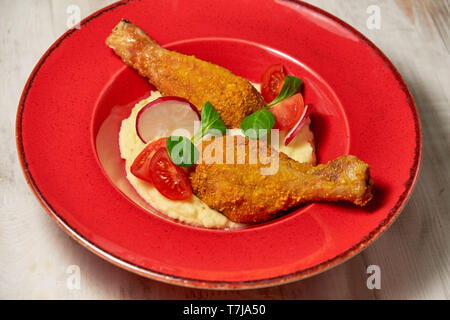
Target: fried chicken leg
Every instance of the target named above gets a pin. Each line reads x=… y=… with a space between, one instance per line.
x=242 y=193
x=175 y=74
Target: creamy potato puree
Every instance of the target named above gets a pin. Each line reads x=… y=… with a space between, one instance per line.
x=194 y=211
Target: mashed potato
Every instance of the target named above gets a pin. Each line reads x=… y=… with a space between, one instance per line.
x=194 y=211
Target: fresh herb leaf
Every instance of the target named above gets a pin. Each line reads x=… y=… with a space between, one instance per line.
x=211 y=122
x=291 y=86
x=182 y=151
x=258 y=124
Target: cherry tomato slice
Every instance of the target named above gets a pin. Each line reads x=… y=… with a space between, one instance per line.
x=288 y=112
x=170 y=180
x=272 y=82
x=140 y=167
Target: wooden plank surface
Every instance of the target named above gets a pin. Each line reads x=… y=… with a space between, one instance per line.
x=413 y=254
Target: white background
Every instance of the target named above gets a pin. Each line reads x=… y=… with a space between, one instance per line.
x=413 y=254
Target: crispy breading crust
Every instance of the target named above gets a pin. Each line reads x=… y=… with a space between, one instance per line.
x=175 y=74
x=244 y=195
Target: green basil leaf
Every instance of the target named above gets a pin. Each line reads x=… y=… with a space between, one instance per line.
x=258 y=124
x=211 y=122
x=181 y=151
x=291 y=86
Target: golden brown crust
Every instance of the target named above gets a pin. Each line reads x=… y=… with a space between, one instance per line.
x=175 y=74
x=238 y=190
x=244 y=194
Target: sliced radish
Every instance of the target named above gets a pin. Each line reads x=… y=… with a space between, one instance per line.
x=166 y=116
x=299 y=125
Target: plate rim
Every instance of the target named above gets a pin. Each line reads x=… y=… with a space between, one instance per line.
x=367 y=240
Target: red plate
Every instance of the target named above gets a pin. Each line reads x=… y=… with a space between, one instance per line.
x=362 y=107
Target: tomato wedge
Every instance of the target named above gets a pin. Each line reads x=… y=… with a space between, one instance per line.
x=288 y=112
x=140 y=167
x=170 y=179
x=272 y=82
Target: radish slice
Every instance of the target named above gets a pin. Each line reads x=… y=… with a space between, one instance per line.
x=166 y=116
x=299 y=125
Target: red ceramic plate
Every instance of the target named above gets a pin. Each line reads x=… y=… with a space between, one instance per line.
x=362 y=107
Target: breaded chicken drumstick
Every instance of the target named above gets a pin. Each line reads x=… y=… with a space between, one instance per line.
x=242 y=193
x=175 y=74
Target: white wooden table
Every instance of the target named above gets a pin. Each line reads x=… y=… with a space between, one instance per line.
x=413 y=254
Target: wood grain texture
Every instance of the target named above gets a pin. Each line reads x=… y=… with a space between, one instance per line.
x=407 y=6
x=414 y=254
